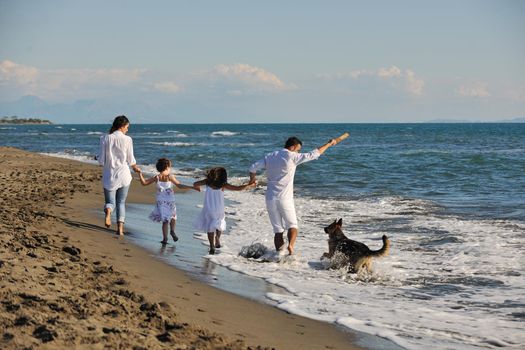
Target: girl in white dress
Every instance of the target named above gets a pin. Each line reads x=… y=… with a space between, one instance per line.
x=165 y=211
x=212 y=218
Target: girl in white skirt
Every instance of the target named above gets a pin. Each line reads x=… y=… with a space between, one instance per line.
x=212 y=218
x=165 y=211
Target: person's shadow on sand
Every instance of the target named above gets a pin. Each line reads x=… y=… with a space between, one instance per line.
x=89 y=226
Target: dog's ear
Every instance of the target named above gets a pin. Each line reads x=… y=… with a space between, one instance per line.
x=340 y=222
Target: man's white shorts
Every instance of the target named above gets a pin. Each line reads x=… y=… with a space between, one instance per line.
x=282 y=214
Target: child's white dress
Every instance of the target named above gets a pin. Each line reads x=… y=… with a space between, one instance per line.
x=212 y=216
x=165 y=210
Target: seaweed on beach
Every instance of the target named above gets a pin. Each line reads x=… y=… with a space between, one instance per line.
x=253 y=251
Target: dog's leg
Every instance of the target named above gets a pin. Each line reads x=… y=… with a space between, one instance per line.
x=358 y=266
x=331 y=251
x=369 y=265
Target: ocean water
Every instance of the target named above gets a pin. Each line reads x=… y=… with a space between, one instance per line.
x=451 y=198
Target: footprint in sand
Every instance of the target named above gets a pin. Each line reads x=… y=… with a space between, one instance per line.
x=121 y=282
x=22 y=321
x=44 y=334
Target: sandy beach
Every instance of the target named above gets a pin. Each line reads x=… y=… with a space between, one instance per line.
x=68 y=282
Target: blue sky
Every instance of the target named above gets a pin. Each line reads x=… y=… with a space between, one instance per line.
x=265 y=61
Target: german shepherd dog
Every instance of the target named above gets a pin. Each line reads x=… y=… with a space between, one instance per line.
x=356 y=254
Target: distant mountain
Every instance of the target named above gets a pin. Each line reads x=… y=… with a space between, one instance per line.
x=452 y=121
x=141 y=110
x=94 y=111
x=515 y=120
x=27 y=106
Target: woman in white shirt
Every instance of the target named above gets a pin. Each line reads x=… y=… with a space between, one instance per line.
x=116 y=156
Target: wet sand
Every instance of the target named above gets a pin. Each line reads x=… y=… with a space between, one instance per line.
x=190 y=252
x=68 y=282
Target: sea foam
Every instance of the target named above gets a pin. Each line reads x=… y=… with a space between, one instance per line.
x=449 y=282
x=224 y=133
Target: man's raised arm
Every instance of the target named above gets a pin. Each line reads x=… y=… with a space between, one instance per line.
x=327 y=145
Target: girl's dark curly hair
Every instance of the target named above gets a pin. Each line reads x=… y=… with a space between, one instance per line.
x=216 y=177
x=163 y=164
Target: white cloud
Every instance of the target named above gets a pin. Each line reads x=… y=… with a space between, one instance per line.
x=389 y=72
x=167 y=87
x=13 y=73
x=414 y=85
x=393 y=76
x=249 y=78
x=473 y=90
x=63 y=84
x=66 y=84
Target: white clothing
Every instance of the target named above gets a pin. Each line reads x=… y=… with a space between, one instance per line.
x=212 y=216
x=282 y=215
x=280 y=170
x=165 y=210
x=116 y=155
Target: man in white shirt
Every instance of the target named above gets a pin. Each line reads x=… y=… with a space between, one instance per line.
x=280 y=169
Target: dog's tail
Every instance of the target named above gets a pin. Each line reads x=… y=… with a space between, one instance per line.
x=385 y=249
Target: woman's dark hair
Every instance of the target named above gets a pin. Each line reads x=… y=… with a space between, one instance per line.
x=292 y=141
x=119 y=122
x=163 y=164
x=216 y=177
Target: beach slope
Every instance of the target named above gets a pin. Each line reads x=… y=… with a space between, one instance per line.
x=67 y=282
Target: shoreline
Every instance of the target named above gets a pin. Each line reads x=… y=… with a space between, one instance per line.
x=210 y=317
x=189 y=254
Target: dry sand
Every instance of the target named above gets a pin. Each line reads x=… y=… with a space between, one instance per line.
x=67 y=282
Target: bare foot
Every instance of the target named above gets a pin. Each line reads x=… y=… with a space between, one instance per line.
x=212 y=251
x=120 y=229
x=107 y=220
x=164 y=242
x=217 y=243
x=174 y=236
x=290 y=250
